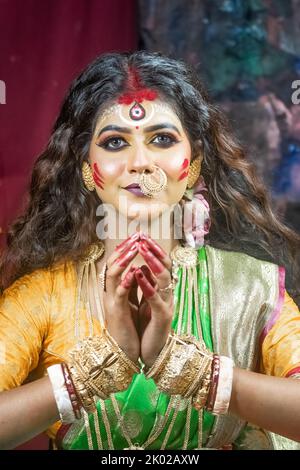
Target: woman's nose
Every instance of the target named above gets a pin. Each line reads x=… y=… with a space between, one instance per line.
x=140 y=161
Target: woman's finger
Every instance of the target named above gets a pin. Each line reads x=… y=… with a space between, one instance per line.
x=125 y=285
x=157 y=250
x=158 y=308
x=148 y=274
x=122 y=247
x=118 y=266
x=126 y=243
x=147 y=288
x=162 y=274
x=132 y=296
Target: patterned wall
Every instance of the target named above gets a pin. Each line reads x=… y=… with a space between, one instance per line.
x=248 y=54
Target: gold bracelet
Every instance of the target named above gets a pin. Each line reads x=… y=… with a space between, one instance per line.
x=161 y=359
x=85 y=397
x=99 y=367
x=200 y=397
x=183 y=368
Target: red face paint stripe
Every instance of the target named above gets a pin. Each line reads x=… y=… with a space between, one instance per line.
x=96 y=177
x=97 y=170
x=183 y=175
x=100 y=178
x=185 y=163
x=97 y=181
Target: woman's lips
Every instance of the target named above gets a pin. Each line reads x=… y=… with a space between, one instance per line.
x=136 y=191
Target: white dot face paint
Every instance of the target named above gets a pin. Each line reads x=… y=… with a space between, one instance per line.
x=132 y=113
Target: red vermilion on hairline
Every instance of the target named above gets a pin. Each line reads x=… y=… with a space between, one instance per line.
x=135 y=91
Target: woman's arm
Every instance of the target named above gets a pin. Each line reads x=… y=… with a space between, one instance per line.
x=269 y=402
x=25 y=412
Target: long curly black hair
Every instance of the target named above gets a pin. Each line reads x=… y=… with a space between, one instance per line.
x=59 y=223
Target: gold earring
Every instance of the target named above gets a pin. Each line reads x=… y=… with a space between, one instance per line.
x=194 y=172
x=87 y=176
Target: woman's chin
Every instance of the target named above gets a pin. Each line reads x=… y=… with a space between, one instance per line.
x=141 y=212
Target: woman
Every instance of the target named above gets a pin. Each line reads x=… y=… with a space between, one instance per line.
x=134 y=132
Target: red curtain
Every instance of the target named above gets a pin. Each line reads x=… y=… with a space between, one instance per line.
x=43 y=46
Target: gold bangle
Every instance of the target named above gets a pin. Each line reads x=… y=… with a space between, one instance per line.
x=86 y=400
x=183 y=368
x=99 y=368
x=158 y=364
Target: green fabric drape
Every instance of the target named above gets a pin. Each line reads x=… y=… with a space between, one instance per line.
x=142 y=407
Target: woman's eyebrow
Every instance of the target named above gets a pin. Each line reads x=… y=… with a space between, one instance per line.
x=164 y=125
x=124 y=130
x=127 y=130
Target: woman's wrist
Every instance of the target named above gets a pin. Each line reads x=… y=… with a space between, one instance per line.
x=97 y=367
x=61 y=394
x=186 y=367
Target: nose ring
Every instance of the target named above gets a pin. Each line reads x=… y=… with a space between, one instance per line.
x=149 y=185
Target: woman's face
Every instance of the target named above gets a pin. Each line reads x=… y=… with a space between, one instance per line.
x=129 y=139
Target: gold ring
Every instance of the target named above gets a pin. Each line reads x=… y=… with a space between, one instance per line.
x=171 y=287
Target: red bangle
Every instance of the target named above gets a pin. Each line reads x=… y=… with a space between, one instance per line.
x=214 y=383
x=75 y=401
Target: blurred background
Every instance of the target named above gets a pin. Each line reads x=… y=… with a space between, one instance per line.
x=246 y=51
x=248 y=55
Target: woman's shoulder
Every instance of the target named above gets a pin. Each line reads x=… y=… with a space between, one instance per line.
x=236 y=268
x=42 y=280
x=238 y=257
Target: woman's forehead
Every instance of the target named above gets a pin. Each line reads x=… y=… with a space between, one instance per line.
x=138 y=114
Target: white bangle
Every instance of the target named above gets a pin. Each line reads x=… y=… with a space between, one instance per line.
x=224 y=386
x=61 y=394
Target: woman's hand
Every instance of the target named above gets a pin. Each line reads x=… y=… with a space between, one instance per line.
x=119 y=298
x=156 y=308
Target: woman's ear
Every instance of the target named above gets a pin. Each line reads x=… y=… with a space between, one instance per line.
x=198 y=150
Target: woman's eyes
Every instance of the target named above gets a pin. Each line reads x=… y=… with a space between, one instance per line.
x=117 y=143
x=164 y=140
x=114 y=143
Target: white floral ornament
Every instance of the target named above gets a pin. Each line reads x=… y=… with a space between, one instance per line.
x=196 y=218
